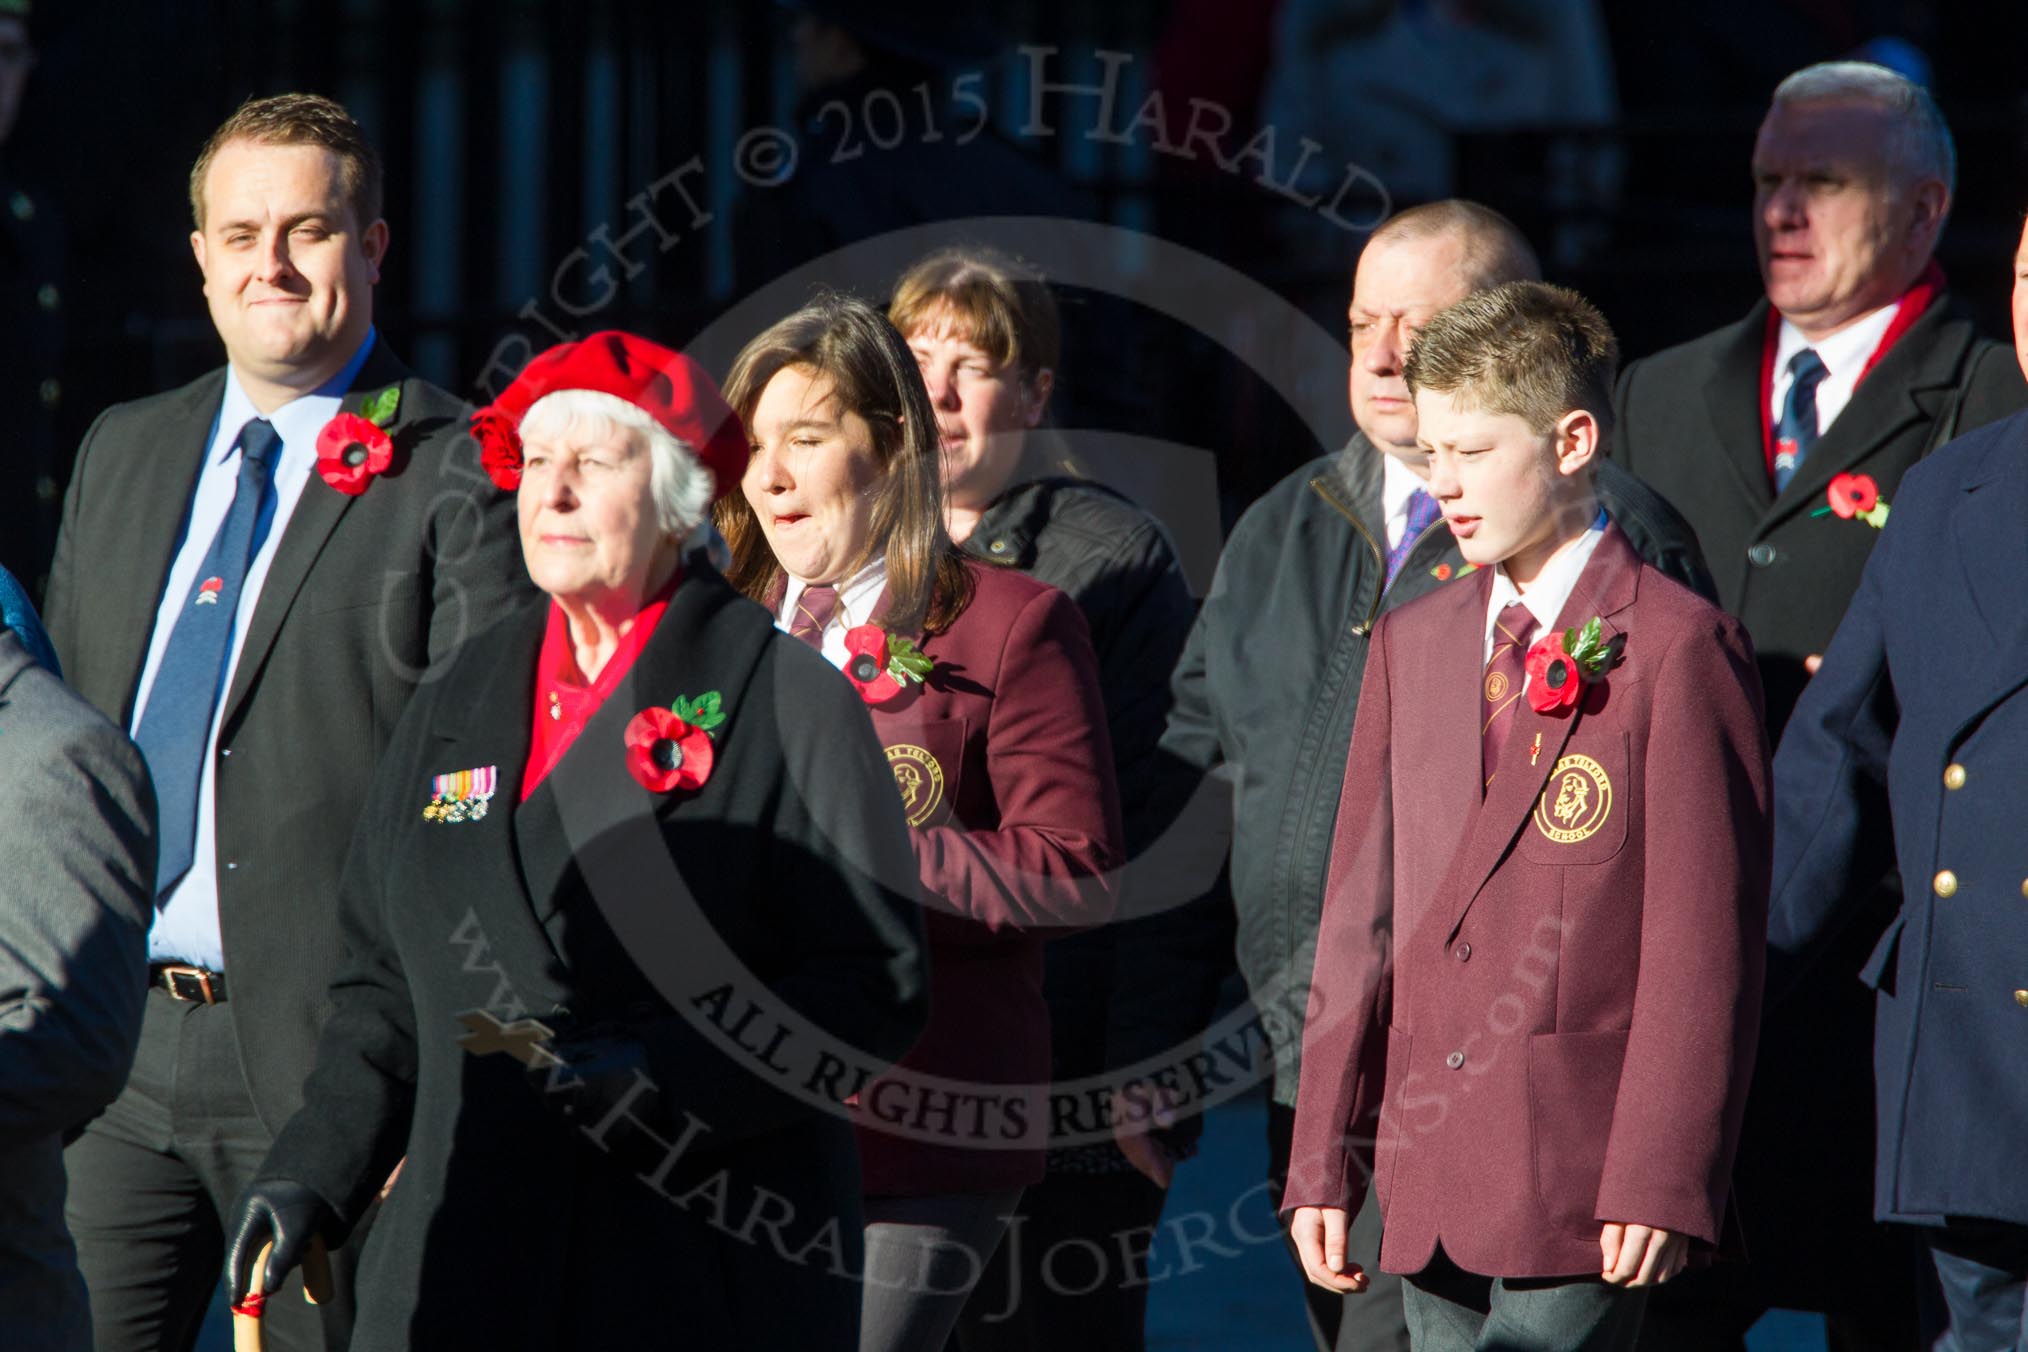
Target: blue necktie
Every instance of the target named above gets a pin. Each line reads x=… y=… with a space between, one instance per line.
x=175 y=731
x=1796 y=433
x=1423 y=513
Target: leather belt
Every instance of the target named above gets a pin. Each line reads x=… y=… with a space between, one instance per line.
x=198 y=985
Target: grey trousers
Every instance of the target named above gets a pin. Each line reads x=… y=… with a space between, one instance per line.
x=152 y=1183
x=1451 y=1310
x=923 y=1257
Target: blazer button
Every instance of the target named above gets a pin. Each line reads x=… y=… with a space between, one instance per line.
x=1454 y=1060
x=1946 y=884
x=2021 y=999
x=998 y=546
x=1762 y=554
x=1954 y=776
x=1464 y=952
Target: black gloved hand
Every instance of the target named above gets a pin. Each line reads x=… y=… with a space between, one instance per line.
x=288 y=1214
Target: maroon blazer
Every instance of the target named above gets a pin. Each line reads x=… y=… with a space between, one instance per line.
x=1006 y=770
x=1562 y=981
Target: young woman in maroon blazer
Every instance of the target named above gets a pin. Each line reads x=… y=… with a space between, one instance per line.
x=982 y=685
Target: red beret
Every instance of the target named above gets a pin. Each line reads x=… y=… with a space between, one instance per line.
x=667 y=386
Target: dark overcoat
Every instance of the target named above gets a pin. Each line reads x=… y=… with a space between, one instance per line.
x=785 y=881
x=1908 y=747
x=1689 y=423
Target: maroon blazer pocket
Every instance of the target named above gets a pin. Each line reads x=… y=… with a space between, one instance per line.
x=1581 y=817
x=927 y=758
x=1573 y=1081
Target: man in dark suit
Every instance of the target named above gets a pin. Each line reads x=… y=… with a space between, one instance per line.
x=1269 y=680
x=1548 y=883
x=1854 y=366
x=1907 y=748
x=254 y=584
x=1856 y=361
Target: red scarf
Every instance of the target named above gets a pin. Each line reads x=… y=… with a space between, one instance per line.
x=1908 y=309
x=564 y=700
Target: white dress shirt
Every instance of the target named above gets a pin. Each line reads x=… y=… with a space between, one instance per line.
x=1550 y=590
x=1844 y=355
x=1397 y=485
x=857 y=596
x=186 y=926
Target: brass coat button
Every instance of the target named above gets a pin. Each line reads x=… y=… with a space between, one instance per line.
x=1954 y=777
x=1946 y=884
x=2021 y=999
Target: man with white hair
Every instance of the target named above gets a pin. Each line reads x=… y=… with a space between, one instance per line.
x=1783 y=438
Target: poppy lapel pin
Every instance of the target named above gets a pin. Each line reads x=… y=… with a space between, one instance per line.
x=669 y=749
x=354 y=447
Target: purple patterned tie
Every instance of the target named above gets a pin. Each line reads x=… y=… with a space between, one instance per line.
x=1423 y=513
x=1506 y=670
x=814 y=609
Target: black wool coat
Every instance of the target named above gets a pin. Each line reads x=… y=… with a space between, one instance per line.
x=787 y=875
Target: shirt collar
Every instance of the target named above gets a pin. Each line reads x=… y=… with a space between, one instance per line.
x=1845 y=352
x=1397 y=485
x=298 y=421
x=857 y=596
x=1552 y=587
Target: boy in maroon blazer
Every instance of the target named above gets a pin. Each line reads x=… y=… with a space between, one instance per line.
x=1540 y=957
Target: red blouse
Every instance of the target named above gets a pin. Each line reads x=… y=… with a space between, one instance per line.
x=564 y=700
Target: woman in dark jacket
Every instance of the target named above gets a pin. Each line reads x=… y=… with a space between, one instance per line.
x=985 y=333
x=984 y=692
x=632 y=870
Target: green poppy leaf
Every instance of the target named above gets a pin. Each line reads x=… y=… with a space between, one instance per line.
x=380 y=409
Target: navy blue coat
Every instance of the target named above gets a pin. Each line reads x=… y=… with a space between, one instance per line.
x=1912 y=736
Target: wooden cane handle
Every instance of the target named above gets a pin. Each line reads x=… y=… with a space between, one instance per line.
x=246 y=1328
x=317 y=1273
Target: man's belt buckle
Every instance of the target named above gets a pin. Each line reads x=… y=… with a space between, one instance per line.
x=189 y=983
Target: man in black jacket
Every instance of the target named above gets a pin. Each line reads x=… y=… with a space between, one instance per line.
x=1784 y=438
x=1270 y=679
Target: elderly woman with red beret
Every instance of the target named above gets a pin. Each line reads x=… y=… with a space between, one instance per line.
x=983 y=689
x=633 y=868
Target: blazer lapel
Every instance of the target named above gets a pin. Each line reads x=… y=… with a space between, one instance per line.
x=1736 y=422
x=166 y=472
x=1911 y=383
x=316 y=515
x=1605 y=588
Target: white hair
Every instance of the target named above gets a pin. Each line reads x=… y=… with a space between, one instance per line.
x=678 y=480
x=1921 y=146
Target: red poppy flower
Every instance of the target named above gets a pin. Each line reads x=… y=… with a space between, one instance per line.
x=1554 y=680
x=350 y=451
x=499 y=448
x=664 y=752
x=1852 y=494
x=866 y=664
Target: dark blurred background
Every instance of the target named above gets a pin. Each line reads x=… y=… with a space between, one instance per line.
x=514 y=131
